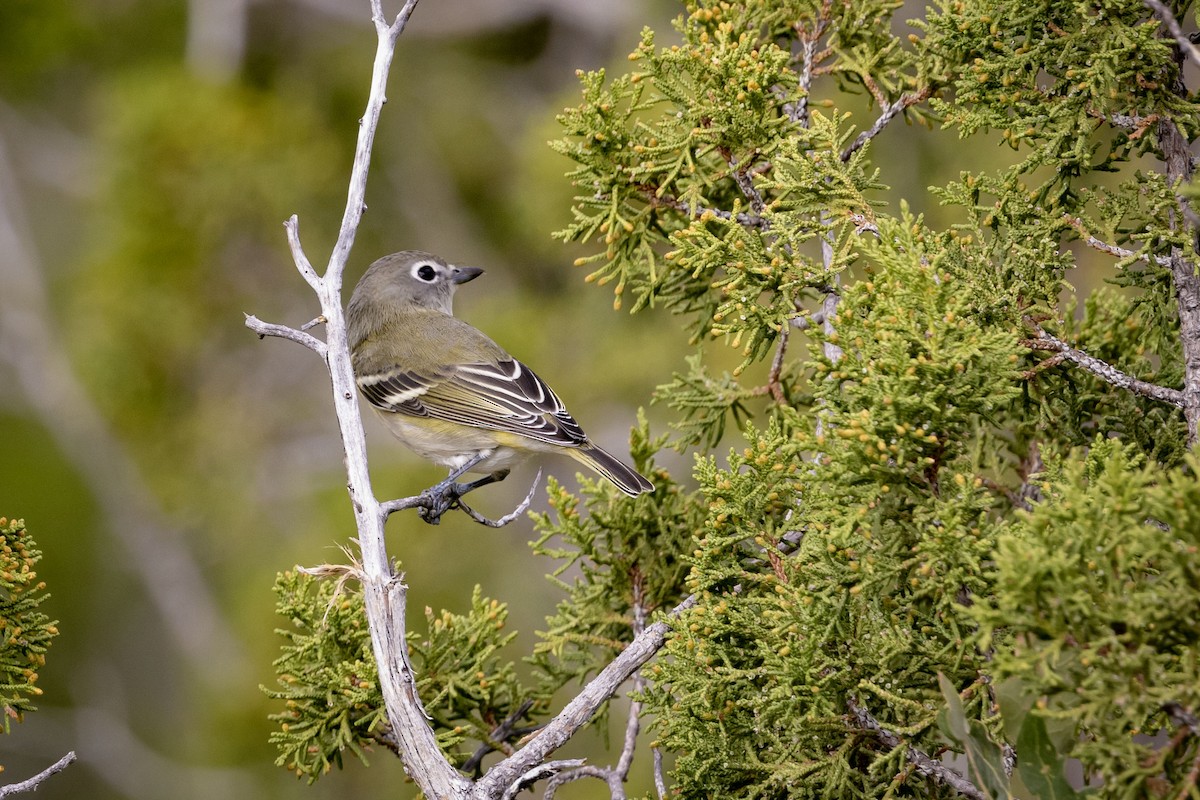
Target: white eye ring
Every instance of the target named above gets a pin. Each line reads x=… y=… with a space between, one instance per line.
x=425 y=271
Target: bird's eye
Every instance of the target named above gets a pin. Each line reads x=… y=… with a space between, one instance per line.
x=426 y=273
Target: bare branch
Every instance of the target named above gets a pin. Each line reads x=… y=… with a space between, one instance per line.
x=356 y=196
x=264 y=329
x=581 y=708
x=633 y=724
x=798 y=112
x=923 y=763
x=521 y=508
x=31 y=784
x=1164 y=14
x=889 y=113
x=660 y=785
x=742 y=218
x=547 y=770
x=498 y=736
x=1111 y=249
x=578 y=774
x=1104 y=370
x=828 y=309
x=745 y=183
x=303 y=265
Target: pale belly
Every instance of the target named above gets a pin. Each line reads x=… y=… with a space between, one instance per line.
x=452 y=445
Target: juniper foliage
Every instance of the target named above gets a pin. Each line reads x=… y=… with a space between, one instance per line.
x=25 y=630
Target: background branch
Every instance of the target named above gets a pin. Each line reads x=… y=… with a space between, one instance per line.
x=31 y=784
x=1164 y=14
x=1103 y=370
x=923 y=763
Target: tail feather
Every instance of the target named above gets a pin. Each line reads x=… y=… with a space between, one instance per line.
x=623 y=477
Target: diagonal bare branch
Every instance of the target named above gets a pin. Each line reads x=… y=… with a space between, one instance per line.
x=580 y=709
x=264 y=329
x=887 y=115
x=1112 y=249
x=922 y=762
x=1103 y=370
x=1167 y=18
x=32 y=784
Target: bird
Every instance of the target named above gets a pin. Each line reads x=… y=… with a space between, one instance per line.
x=450 y=393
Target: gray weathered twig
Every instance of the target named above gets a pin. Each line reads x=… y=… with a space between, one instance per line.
x=31 y=784
x=580 y=709
x=887 y=115
x=923 y=763
x=284 y=332
x=1165 y=15
x=1103 y=370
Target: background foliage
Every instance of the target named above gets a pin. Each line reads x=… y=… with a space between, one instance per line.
x=892 y=512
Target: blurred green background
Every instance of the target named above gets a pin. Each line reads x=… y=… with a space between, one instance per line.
x=167 y=461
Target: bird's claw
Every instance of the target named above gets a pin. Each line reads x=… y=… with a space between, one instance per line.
x=437 y=500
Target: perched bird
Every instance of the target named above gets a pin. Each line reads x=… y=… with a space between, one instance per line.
x=450 y=393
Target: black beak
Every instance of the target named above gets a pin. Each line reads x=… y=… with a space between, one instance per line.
x=464 y=274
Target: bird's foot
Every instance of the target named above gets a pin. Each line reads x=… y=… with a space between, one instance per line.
x=437 y=500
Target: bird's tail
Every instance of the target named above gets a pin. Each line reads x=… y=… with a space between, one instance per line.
x=623 y=477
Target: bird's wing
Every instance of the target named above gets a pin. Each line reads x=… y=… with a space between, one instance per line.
x=504 y=396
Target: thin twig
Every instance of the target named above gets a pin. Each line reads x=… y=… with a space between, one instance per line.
x=697 y=210
x=1104 y=370
x=1167 y=18
x=356 y=195
x=1136 y=125
x=548 y=770
x=889 y=113
x=745 y=183
x=798 y=112
x=390 y=507
x=31 y=784
x=922 y=762
x=497 y=737
x=1112 y=249
x=777 y=366
x=583 y=771
x=634 y=723
x=660 y=785
x=581 y=708
x=521 y=508
x=299 y=258
x=264 y=329
x=828 y=309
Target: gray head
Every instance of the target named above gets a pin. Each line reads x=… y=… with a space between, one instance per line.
x=410 y=278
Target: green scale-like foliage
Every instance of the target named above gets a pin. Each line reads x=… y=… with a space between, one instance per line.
x=893 y=529
x=328 y=680
x=625 y=559
x=25 y=631
x=1094 y=614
